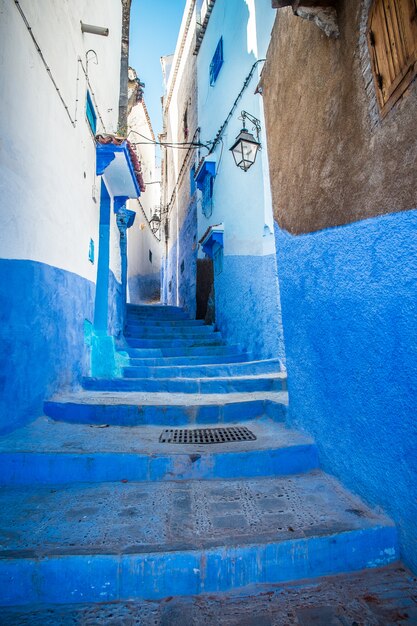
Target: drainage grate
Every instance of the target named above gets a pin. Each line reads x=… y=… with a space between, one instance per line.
x=206 y=435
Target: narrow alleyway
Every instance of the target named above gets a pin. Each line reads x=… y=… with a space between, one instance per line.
x=196 y=487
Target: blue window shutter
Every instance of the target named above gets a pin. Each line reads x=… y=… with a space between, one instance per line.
x=216 y=62
x=91 y=114
x=192 y=180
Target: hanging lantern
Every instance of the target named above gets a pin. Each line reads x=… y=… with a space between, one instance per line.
x=246 y=147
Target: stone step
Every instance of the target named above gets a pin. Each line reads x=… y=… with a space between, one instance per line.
x=156 y=323
x=268 y=382
x=214 y=339
x=378 y=596
x=162 y=332
x=132 y=408
x=183 y=351
x=128 y=540
x=216 y=359
x=216 y=370
x=159 y=313
x=48 y=452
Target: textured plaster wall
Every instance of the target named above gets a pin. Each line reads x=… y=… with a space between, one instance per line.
x=144 y=281
x=350 y=318
x=247 y=294
x=47 y=167
x=42 y=314
x=181 y=245
x=245 y=311
x=332 y=160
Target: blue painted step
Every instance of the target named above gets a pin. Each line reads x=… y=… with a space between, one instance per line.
x=156 y=323
x=119 y=541
x=135 y=408
x=161 y=332
x=213 y=339
x=47 y=452
x=183 y=351
x=271 y=382
x=216 y=369
x=157 y=360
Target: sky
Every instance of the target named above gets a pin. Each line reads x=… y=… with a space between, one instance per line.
x=154 y=26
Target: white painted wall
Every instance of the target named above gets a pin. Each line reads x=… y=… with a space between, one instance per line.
x=140 y=238
x=241 y=200
x=47 y=167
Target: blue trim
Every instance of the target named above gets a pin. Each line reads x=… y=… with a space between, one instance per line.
x=105 y=153
x=90 y=113
x=208 y=168
x=102 y=287
x=216 y=62
x=91 y=251
x=119 y=202
x=214 y=241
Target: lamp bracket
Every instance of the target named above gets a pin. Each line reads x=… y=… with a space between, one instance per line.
x=256 y=123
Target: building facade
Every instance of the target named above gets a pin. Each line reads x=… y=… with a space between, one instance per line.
x=343 y=151
x=144 y=237
x=222 y=47
x=64 y=183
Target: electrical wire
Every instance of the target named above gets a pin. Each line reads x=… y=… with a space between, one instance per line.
x=232 y=110
x=167 y=144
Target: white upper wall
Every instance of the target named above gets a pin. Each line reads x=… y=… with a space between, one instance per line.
x=141 y=240
x=47 y=166
x=241 y=200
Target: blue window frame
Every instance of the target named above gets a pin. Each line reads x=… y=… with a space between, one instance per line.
x=91 y=114
x=192 y=180
x=216 y=62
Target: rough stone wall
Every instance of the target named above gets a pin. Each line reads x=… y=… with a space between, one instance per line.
x=318 y=92
x=350 y=322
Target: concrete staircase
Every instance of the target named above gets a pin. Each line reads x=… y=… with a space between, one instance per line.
x=96 y=508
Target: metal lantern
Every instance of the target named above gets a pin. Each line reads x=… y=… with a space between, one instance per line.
x=246 y=147
x=155 y=223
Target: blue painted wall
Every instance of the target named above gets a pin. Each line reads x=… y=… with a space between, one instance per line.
x=144 y=288
x=349 y=310
x=115 y=307
x=42 y=314
x=185 y=248
x=247 y=311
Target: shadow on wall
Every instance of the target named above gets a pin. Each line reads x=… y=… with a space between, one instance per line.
x=350 y=317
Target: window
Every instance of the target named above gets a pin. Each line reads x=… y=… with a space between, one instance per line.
x=208 y=195
x=392 y=40
x=182 y=267
x=216 y=62
x=218 y=259
x=150 y=256
x=185 y=123
x=192 y=180
x=91 y=114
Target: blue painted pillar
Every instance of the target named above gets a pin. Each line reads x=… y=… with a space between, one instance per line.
x=102 y=285
x=125 y=219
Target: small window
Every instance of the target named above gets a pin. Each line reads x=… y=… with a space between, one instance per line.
x=392 y=40
x=192 y=180
x=218 y=260
x=182 y=267
x=150 y=256
x=91 y=252
x=208 y=184
x=91 y=114
x=216 y=62
x=185 y=123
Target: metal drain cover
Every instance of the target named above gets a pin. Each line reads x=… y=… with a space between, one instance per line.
x=206 y=435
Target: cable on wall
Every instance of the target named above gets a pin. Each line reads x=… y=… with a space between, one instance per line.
x=48 y=69
x=73 y=120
